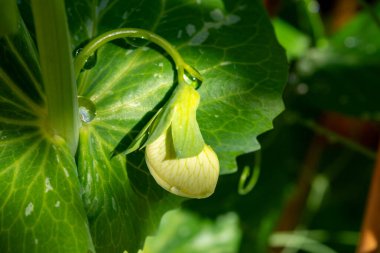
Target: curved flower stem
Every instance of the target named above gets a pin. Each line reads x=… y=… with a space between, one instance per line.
x=96 y=43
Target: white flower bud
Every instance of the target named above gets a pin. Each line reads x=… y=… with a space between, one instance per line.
x=192 y=177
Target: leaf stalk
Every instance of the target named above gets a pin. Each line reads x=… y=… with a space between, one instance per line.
x=57 y=69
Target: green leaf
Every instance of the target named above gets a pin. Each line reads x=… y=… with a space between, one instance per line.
x=122 y=206
x=232 y=45
x=295 y=42
x=184 y=232
x=343 y=77
x=41 y=207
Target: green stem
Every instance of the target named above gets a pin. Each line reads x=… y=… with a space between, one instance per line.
x=57 y=69
x=332 y=136
x=8 y=17
x=312 y=11
x=99 y=41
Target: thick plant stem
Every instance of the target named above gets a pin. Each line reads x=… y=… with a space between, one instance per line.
x=8 y=17
x=370 y=232
x=57 y=69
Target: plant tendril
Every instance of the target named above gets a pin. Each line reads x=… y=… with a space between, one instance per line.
x=244 y=187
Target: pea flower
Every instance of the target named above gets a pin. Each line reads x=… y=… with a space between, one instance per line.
x=175 y=152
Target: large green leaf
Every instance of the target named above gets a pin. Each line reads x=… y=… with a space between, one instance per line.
x=230 y=42
x=41 y=207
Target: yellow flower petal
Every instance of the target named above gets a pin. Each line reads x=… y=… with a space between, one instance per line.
x=193 y=177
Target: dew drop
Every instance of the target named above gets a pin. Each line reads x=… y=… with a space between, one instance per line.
x=87 y=109
x=29 y=209
x=192 y=79
x=77 y=51
x=137 y=42
x=90 y=62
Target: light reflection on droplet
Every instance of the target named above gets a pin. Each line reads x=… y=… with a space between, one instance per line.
x=192 y=80
x=87 y=109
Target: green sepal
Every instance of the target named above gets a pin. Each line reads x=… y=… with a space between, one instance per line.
x=139 y=140
x=156 y=126
x=187 y=137
x=163 y=121
x=179 y=113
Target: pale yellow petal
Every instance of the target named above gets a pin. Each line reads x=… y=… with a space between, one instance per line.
x=193 y=177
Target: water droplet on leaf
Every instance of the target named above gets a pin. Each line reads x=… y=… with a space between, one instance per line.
x=192 y=79
x=87 y=109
